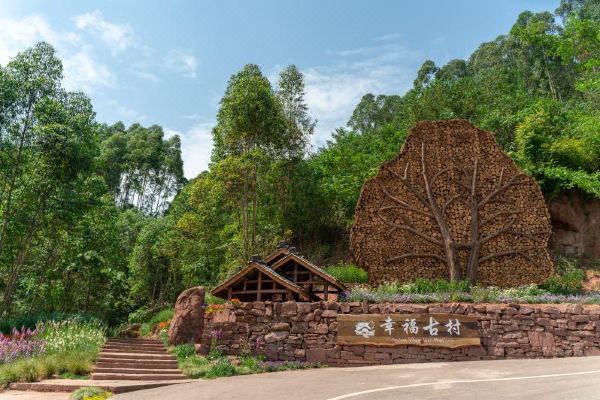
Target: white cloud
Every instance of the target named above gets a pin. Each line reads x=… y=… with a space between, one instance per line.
x=18 y=34
x=182 y=62
x=196 y=146
x=116 y=37
x=81 y=70
x=333 y=92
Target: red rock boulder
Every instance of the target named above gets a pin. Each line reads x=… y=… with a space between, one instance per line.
x=188 y=321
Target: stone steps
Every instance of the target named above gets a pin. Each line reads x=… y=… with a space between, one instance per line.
x=114 y=376
x=114 y=349
x=70 y=385
x=135 y=360
x=143 y=371
x=140 y=356
x=141 y=364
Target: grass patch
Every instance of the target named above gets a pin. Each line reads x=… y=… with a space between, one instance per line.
x=90 y=393
x=348 y=273
x=216 y=365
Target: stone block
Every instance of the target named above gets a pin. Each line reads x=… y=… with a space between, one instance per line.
x=316 y=354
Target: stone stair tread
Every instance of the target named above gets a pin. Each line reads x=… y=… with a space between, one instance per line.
x=107 y=354
x=140 y=351
x=137 y=377
x=135 y=364
x=141 y=371
x=70 y=385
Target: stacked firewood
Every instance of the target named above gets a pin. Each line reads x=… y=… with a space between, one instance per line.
x=452 y=205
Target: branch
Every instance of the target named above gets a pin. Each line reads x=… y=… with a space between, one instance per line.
x=452 y=200
x=422 y=255
x=444 y=170
x=395 y=226
x=498 y=232
x=521 y=253
x=410 y=187
x=500 y=213
x=402 y=204
x=529 y=236
x=500 y=189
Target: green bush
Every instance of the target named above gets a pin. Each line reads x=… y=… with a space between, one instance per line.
x=183 y=351
x=221 y=368
x=147 y=327
x=568 y=278
x=210 y=299
x=568 y=284
x=348 y=273
x=89 y=393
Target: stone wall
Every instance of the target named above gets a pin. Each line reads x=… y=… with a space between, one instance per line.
x=307 y=332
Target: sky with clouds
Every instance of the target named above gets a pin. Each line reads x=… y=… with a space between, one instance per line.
x=168 y=62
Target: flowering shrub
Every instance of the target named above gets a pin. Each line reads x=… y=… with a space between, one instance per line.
x=164 y=324
x=213 y=308
x=21 y=343
x=72 y=335
x=411 y=293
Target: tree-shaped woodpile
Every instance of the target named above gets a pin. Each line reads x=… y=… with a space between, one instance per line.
x=452 y=205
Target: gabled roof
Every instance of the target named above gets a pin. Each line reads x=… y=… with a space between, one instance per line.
x=280 y=252
x=260 y=266
x=310 y=266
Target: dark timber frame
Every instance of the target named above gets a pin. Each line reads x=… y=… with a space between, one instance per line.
x=258 y=282
x=314 y=280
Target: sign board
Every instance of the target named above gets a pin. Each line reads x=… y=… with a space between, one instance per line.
x=427 y=330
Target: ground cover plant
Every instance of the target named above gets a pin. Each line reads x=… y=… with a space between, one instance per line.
x=348 y=273
x=90 y=393
x=216 y=365
x=64 y=348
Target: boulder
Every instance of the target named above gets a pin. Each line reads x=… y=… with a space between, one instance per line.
x=188 y=321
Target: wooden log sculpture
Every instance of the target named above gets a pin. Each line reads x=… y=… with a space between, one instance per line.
x=452 y=205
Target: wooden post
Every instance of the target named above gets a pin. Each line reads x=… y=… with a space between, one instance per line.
x=326 y=291
x=295 y=272
x=259 y=287
x=229 y=293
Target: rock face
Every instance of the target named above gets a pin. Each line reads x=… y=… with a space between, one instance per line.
x=188 y=321
x=452 y=205
x=576 y=224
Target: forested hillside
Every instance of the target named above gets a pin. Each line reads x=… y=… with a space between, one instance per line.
x=99 y=218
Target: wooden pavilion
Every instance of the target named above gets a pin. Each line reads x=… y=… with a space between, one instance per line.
x=283 y=275
x=258 y=282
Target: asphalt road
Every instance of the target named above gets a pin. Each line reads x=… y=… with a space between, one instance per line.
x=548 y=379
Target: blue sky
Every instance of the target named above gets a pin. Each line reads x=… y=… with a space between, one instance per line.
x=168 y=62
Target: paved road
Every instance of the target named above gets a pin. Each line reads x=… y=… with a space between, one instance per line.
x=571 y=378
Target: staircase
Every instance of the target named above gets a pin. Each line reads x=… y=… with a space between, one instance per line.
x=136 y=360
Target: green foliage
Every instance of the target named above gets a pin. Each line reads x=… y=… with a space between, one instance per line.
x=563 y=287
x=72 y=335
x=98 y=218
x=148 y=325
x=183 y=351
x=568 y=278
x=90 y=393
x=71 y=346
x=221 y=368
x=42 y=367
x=348 y=273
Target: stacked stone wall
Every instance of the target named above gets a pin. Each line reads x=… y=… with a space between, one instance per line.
x=307 y=332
